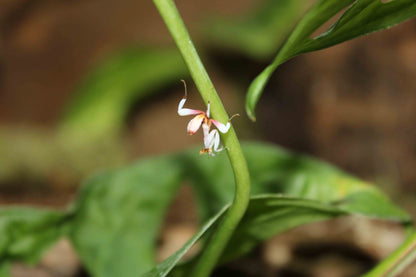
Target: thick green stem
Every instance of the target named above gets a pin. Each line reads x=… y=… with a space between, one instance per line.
x=216 y=245
x=397 y=261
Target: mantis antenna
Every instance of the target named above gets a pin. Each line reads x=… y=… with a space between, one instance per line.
x=184 y=84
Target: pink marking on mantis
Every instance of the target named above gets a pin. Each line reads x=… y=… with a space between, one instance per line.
x=195 y=123
x=221 y=127
x=211 y=138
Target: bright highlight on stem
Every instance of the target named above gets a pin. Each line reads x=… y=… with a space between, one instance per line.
x=216 y=245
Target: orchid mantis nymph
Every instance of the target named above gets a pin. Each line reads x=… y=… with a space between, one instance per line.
x=211 y=138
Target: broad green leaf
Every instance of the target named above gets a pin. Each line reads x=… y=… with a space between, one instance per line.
x=360 y=18
x=114 y=223
x=103 y=100
x=308 y=191
x=258 y=33
x=275 y=170
x=118 y=215
x=25 y=233
x=269 y=215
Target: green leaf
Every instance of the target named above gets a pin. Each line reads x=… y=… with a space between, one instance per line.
x=269 y=215
x=266 y=216
x=118 y=216
x=114 y=223
x=26 y=233
x=258 y=33
x=275 y=170
x=104 y=98
x=308 y=191
x=118 y=213
x=360 y=18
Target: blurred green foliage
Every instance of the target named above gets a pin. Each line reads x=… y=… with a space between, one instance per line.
x=26 y=233
x=115 y=220
x=119 y=213
x=31 y=156
x=89 y=136
x=100 y=105
x=288 y=190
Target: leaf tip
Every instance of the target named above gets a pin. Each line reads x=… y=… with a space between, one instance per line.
x=250 y=112
x=256 y=89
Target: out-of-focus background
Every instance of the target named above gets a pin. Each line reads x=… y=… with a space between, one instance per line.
x=80 y=91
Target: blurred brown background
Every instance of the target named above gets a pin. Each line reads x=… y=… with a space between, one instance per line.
x=353 y=105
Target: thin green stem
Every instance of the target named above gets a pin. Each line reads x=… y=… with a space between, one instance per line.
x=397 y=261
x=216 y=245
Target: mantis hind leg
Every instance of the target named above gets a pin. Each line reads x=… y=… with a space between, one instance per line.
x=217 y=147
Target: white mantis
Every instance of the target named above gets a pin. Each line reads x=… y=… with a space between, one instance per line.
x=211 y=138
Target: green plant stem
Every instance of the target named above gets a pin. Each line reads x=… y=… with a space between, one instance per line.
x=216 y=245
x=397 y=261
